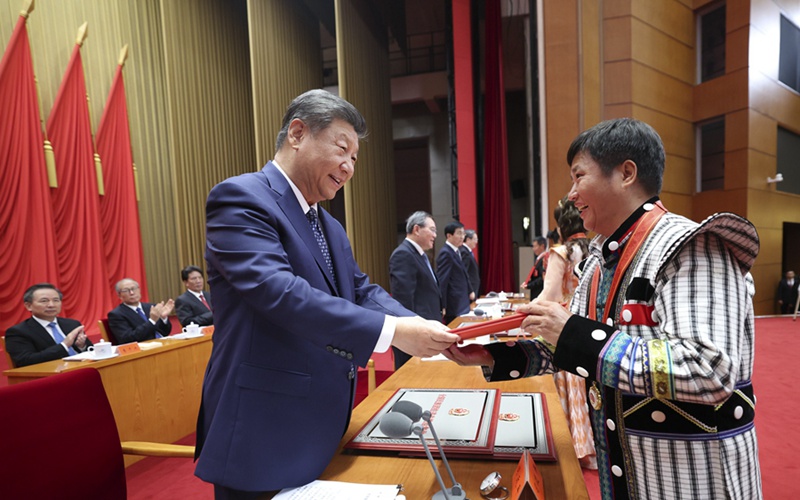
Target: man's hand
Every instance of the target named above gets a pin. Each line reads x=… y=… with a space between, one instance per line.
x=155 y=311
x=76 y=337
x=469 y=355
x=421 y=337
x=472 y=296
x=169 y=306
x=545 y=318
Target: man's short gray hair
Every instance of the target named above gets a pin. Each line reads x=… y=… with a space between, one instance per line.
x=317 y=109
x=417 y=219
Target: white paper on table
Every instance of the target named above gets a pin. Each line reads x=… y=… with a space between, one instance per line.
x=338 y=490
x=482 y=340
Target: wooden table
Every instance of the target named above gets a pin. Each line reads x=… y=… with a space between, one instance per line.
x=563 y=479
x=154 y=394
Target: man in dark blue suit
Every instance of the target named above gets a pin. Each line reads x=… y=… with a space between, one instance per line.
x=467 y=252
x=454 y=283
x=134 y=320
x=194 y=305
x=411 y=277
x=294 y=316
x=44 y=336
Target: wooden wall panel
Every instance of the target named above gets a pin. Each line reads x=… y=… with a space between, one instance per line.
x=363 y=57
x=662 y=52
x=591 y=64
x=679 y=175
x=721 y=95
x=656 y=90
x=274 y=26
x=709 y=202
x=672 y=18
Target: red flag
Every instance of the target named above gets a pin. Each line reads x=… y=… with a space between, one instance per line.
x=119 y=212
x=79 y=243
x=27 y=240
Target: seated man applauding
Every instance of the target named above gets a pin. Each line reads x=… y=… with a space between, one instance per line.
x=194 y=305
x=135 y=321
x=44 y=336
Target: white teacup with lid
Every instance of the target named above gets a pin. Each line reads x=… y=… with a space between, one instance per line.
x=191 y=329
x=101 y=349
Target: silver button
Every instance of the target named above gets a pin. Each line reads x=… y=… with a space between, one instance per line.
x=513 y=374
x=738 y=412
x=616 y=470
x=611 y=425
x=658 y=416
x=599 y=335
x=582 y=372
x=627 y=315
x=613 y=246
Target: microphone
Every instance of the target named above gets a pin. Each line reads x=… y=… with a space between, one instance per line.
x=414 y=412
x=478 y=311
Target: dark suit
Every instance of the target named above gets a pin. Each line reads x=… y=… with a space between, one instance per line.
x=536 y=277
x=127 y=326
x=413 y=284
x=279 y=386
x=453 y=283
x=471 y=265
x=788 y=294
x=190 y=310
x=29 y=342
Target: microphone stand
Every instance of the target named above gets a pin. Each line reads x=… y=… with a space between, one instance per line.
x=456 y=491
x=417 y=429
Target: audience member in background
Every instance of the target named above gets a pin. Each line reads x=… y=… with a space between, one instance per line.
x=466 y=250
x=454 y=283
x=412 y=281
x=787 y=293
x=559 y=286
x=294 y=314
x=194 y=305
x=535 y=281
x=135 y=321
x=552 y=239
x=660 y=327
x=44 y=337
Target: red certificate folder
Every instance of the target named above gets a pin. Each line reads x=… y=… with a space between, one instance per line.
x=492 y=326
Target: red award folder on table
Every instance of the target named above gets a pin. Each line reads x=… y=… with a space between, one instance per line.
x=492 y=326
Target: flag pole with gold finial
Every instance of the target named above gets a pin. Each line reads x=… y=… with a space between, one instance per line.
x=123 y=56
x=98 y=166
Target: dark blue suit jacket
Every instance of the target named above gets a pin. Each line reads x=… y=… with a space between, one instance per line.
x=453 y=282
x=127 y=326
x=29 y=342
x=471 y=265
x=279 y=386
x=190 y=310
x=412 y=283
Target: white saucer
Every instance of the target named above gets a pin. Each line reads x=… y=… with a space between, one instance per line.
x=95 y=357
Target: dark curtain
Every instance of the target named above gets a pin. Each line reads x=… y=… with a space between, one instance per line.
x=497 y=264
x=27 y=239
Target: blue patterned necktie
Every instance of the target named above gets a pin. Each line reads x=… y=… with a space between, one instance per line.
x=141 y=313
x=428 y=263
x=59 y=337
x=311 y=215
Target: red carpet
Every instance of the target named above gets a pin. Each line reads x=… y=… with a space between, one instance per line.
x=777 y=424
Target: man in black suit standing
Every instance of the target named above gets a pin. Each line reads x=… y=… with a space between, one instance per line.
x=466 y=250
x=787 y=293
x=42 y=337
x=454 y=284
x=412 y=280
x=194 y=305
x=134 y=320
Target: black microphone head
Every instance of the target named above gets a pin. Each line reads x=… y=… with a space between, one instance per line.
x=410 y=409
x=396 y=425
x=478 y=311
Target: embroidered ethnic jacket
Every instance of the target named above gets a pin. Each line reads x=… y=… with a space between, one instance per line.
x=668 y=375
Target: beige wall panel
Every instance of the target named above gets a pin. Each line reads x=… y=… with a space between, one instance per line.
x=775 y=100
x=363 y=56
x=274 y=26
x=618 y=111
x=765 y=15
x=721 y=95
x=678 y=203
x=698 y=4
x=770 y=208
x=672 y=18
x=764 y=276
x=710 y=202
x=736 y=168
x=737 y=49
x=591 y=43
x=657 y=90
x=662 y=52
x=771 y=240
x=737 y=125
x=617 y=41
x=618 y=86
x=210 y=110
x=760 y=166
x=737 y=14
x=679 y=175
x=616 y=8
x=763 y=133
x=677 y=135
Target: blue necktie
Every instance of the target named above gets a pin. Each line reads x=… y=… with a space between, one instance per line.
x=59 y=337
x=428 y=263
x=323 y=245
x=141 y=313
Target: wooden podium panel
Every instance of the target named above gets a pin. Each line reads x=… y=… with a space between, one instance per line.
x=154 y=394
x=562 y=479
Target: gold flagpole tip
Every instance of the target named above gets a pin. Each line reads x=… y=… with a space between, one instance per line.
x=123 y=55
x=27 y=9
x=82 y=32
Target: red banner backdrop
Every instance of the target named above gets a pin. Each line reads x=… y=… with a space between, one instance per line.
x=497 y=261
x=119 y=212
x=79 y=244
x=27 y=241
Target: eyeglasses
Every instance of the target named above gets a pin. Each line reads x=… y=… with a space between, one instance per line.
x=128 y=290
